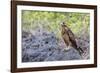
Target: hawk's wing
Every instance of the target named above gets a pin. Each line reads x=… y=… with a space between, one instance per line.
x=71 y=37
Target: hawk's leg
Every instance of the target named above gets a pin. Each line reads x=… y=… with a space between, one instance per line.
x=68 y=47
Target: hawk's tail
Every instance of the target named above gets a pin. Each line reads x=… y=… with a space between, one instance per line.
x=80 y=50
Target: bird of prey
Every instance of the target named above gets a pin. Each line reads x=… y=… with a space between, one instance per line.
x=69 y=38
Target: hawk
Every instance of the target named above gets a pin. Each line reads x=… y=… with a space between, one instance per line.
x=69 y=38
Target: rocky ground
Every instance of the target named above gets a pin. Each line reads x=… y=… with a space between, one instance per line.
x=44 y=46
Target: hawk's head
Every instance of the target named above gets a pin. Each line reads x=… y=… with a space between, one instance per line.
x=63 y=24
